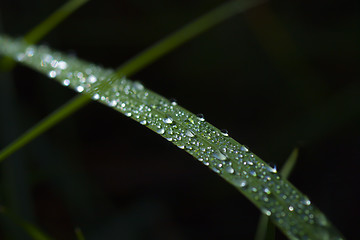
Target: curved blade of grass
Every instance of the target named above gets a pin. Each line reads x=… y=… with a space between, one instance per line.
x=141 y=60
x=79 y=234
x=34 y=232
x=286 y=206
x=265 y=229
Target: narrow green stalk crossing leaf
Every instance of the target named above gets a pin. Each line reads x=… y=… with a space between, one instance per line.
x=29 y=228
x=286 y=206
x=130 y=67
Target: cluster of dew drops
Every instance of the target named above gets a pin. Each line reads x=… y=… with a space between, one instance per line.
x=213 y=147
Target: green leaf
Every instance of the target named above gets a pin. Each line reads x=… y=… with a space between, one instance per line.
x=286 y=206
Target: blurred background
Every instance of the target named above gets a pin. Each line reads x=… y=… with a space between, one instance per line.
x=282 y=75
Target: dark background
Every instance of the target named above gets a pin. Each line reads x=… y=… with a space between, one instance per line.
x=279 y=76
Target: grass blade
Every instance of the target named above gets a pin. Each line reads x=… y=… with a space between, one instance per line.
x=148 y=56
x=34 y=232
x=286 y=206
x=184 y=34
x=79 y=234
x=265 y=229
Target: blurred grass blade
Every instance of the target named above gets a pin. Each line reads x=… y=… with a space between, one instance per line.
x=42 y=126
x=287 y=207
x=34 y=232
x=79 y=234
x=38 y=32
x=289 y=164
x=53 y=20
x=135 y=64
x=184 y=34
x=266 y=229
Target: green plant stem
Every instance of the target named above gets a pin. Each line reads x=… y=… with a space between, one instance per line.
x=266 y=229
x=189 y=31
x=53 y=20
x=132 y=66
x=44 y=125
x=42 y=29
x=34 y=232
x=79 y=234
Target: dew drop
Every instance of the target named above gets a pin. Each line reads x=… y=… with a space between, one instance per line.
x=143 y=122
x=173 y=101
x=62 y=65
x=80 y=89
x=266 y=211
x=66 y=82
x=189 y=133
x=267 y=191
x=30 y=51
x=138 y=86
x=291 y=208
x=128 y=114
x=20 y=57
x=52 y=74
x=96 y=96
x=160 y=131
x=240 y=182
x=92 y=79
x=272 y=168
x=168 y=120
x=112 y=103
x=224 y=132
x=244 y=149
x=229 y=169
x=200 y=116
x=219 y=156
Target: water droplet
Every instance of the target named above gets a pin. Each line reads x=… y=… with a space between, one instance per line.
x=66 y=82
x=240 y=182
x=62 y=65
x=96 y=96
x=20 y=57
x=253 y=173
x=52 y=74
x=244 y=149
x=138 y=86
x=92 y=79
x=201 y=117
x=229 y=169
x=267 y=190
x=291 y=208
x=266 y=211
x=224 y=132
x=30 y=51
x=143 y=122
x=112 y=103
x=189 y=133
x=168 y=120
x=272 y=168
x=173 y=101
x=128 y=114
x=79 y=89
x=80 y=75
x=160 y=131
x=219 y=156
